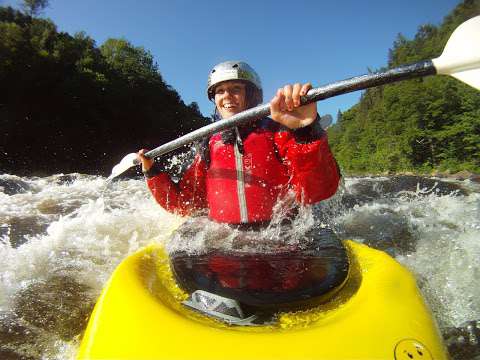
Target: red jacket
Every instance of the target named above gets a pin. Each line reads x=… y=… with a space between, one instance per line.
x=240 y=180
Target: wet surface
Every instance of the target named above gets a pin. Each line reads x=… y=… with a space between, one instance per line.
x=375 y=188
x=463 y=342
x=384 y=230
x=43 y=313
x=19 y=230
x=12 y=186
x=61 y=236
x=19 y=340
x=59 y=305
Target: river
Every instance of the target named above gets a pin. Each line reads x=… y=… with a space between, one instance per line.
x=61 y=237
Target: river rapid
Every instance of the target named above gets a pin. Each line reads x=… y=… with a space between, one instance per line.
x=62 y=236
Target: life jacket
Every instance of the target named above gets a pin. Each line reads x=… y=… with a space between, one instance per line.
x=244 y=178
x=239 y=175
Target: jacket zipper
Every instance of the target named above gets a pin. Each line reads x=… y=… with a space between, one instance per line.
x=242 y=200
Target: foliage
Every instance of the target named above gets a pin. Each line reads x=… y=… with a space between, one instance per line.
x=70 y=106
x=415 y=125
x=34 y=7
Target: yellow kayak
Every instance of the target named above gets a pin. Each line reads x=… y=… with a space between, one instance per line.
x=379 y=313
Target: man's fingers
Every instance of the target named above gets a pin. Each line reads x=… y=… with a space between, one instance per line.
x=305 y=88
x=275 y=104
x=290 y=95
x=146 y=163
x=281 y=100
x=141 y=154
x=287 y=92
x=296 y=94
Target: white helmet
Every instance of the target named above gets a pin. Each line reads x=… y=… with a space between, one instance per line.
x=234 y=70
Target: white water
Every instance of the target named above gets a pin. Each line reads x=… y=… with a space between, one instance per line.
x=75 y=229
x=91 y=229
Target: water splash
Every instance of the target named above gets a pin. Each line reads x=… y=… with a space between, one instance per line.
x=50 y=279
x=62 y=236
x=289 y=222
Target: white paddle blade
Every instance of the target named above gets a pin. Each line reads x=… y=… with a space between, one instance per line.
x=461 y=55
x=470 y=77
x=326 y=121
x=127 y=162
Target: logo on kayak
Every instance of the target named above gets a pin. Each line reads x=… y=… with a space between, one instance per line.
x=411 y=349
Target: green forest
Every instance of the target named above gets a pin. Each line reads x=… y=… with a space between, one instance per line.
x=423 y=125
x=68 y=105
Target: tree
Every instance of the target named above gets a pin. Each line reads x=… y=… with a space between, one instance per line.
x=339 y=116
x=134 y=62
x=34 y=7
x=420 y=124
x=75 y=107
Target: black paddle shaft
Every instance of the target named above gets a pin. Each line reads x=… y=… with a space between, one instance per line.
x=420 y=69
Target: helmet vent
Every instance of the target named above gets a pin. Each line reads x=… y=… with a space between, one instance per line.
x=235 y=66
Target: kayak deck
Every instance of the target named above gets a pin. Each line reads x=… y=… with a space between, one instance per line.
x=378 y=314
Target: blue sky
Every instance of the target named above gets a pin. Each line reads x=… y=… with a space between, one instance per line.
x=316 y=41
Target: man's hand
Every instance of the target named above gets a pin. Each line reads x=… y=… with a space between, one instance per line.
x=285 y=107
x=146 y=163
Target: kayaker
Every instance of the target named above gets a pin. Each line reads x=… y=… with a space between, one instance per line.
x=239 y=175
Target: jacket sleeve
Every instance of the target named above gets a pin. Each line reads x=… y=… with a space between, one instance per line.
x=314 y=174
x=184 y=197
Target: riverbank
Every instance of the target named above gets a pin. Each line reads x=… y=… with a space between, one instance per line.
x=460 y=175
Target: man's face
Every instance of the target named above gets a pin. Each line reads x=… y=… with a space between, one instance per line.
x=230 y=98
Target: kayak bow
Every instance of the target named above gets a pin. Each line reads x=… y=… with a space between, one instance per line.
x=378 y=314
